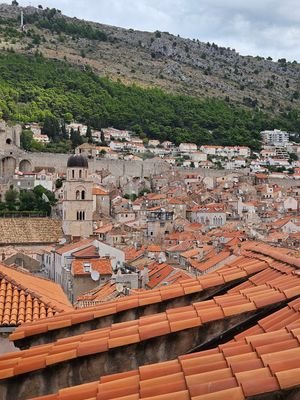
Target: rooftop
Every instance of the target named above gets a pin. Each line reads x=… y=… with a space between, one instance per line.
x=26 y=298
x=30 y=231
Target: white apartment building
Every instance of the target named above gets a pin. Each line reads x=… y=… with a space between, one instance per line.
x=275 y=137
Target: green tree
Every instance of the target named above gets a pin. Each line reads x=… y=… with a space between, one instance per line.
x=11 y=199
x=26 y=139
x=51 y=127
x=68 y=117
x=89 y=134
x=293 y=157
x=27 y=200
x=102 y=137
x=76 y=138
x=44 y=199
x=58 y=183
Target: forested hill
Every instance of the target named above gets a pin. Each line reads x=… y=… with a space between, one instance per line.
x=32 y=87
x=175 y=64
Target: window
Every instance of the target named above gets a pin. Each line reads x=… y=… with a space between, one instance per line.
x=87 y=267
x=80 y=174
x=73 y=173
x=80 y=215
x=82 y=195
x=77 y=194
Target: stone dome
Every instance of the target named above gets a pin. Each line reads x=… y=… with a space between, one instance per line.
x=77 y=161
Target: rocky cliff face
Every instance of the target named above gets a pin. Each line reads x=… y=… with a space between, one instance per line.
x=157 y=59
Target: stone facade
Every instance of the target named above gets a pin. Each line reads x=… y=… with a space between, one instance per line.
x=78 y=203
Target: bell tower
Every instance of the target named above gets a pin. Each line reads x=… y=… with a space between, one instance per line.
x=78 y=199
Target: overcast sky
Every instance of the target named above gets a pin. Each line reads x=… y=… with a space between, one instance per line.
x=255 y=27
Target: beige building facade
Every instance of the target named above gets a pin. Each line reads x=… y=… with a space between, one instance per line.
x=78 y=199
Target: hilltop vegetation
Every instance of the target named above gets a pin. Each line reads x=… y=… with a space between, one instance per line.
x=175 y=64
x=33 y=88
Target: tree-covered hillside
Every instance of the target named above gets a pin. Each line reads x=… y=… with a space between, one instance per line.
x=32 y=88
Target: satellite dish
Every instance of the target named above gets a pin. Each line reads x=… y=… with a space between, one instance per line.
x=95 y=276
x=119 y=287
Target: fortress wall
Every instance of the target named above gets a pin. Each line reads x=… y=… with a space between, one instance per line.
x=116 y=167
x=120 y=168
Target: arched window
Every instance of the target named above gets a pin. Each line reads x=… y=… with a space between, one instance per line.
x=73 y=173
x=82 y=195
x=77 y=194
x=83 y=215
x=80 y=174
x=77 y=215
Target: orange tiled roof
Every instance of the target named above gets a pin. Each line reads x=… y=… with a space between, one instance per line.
x=213 y=260
x=87 y=252
x=192 y=252
x=279 y=223
x=98 y=295
x=101 y=265
x=25 y=297
x=147 y=327
x=242 y=267
x=261 y=364
x=287 y=317
x=181 y=247
x=178 y=276
x=154 y=248
x=73 y=246
x=158 y=273
x=99 y=192
x=180 y=236
x=131 y=253
x=104 y=229
x=155 y=196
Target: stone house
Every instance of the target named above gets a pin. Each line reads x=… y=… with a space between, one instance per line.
x=212 y=215
x=87 y=273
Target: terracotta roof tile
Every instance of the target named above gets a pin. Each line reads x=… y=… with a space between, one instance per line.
x=288 y=378
x=262 y=385
x=165 y=293
x=25 y=298
x=232 y=394
x=101 y=265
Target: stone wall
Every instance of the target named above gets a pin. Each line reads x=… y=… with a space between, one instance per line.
x=59 y=162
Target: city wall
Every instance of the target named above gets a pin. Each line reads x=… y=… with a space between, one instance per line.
x=26 y=162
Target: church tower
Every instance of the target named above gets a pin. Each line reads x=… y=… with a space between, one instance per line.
x=78 y=199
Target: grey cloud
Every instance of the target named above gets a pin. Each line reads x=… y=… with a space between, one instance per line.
x=257 y=27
